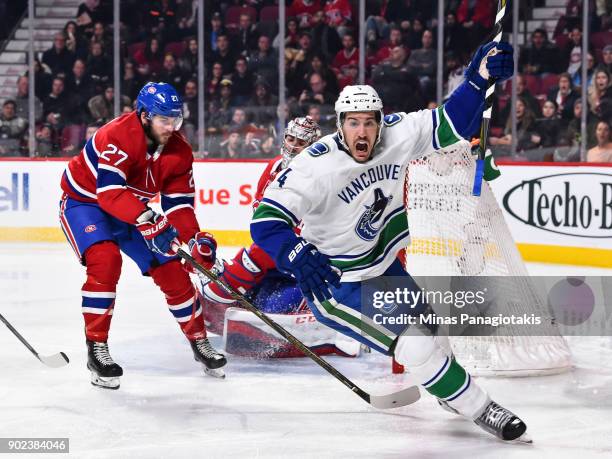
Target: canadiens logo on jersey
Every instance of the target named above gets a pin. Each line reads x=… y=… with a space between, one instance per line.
x=90 y=228
x=369 y=223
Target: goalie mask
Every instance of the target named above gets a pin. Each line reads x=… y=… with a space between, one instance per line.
x=358 y=98
x=303 y=128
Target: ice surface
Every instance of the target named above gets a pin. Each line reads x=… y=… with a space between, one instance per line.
x=166 y=407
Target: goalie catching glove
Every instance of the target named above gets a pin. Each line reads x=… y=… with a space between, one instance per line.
x=158 y=233
x=311 y=269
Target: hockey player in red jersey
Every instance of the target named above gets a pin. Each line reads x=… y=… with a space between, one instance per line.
x=104 y=211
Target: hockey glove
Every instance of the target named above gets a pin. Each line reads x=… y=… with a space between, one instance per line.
x=493 y=59
x=158 y=233
x=203 y=248
x=311 y=269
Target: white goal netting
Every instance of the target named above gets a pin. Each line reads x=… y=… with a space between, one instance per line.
x=456 y=234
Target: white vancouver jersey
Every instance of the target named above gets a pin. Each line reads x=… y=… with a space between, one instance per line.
x=354 y=212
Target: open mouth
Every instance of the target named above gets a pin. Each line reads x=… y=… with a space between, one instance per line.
x=361 y=146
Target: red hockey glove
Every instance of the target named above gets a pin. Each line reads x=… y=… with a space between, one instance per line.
x=203 y=248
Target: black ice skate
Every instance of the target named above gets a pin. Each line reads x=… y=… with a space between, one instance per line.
x=104 y=371
x=206 y=354
x=502 y=423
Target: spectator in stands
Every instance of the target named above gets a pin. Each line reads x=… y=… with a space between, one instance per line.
x=564 y=96
x=264 y=61
x=149 y=59
x=45 y=145
x=304 y=10
x=74 y=40
x=540 y=58
x=316 y=93
x=455 y=37
x=224 y=54
x=58 y=58
x=523 y=92
x=572 y=51
x=599 y=89
x=80 y=88
x=297 y=62
x=22 y=107
x=186 y=16
x=189 y=60
x=573 y=131
x=476 y=17
x=607 y=58
x=56 y=104
x=232 y=147
x=101 y=107
x=190 y=110
x=242 y=81
x=262 y=105
x=577 y=79
x=412 y=33
x=215 y=121
x=12 y=129
x=348 y=55
x=42 y=79
x=238 y=121
x=602 y=152
x=399 y=89
x=160 y=20
x=131 y=82
x=226 y=96
x=214 y=82
x=88 y=12
x=384 y=52
x=317 y=64
x=100 y=36
x=267 y=147
x=548 y=129
x=171 y=72
x=291 y=35
x=216 y=28
x=339 y=15
x=525 y=130
x=325 y=39
x=453 y=73
x=246 y=35
x=99 y=66
x=423 y=62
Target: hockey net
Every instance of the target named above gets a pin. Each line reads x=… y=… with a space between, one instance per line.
x=456 y=234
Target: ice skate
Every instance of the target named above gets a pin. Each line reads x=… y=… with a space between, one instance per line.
x=105 y=372
x=212 y=360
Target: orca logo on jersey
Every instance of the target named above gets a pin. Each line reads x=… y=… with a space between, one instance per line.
x=317 y=149
x=367 y=227
x=392 y=119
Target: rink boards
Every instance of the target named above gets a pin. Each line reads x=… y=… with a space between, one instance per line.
x=559 y=213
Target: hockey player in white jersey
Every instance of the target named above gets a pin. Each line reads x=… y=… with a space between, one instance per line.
x=347 y=189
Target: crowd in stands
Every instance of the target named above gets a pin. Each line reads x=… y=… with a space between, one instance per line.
x=74 y=90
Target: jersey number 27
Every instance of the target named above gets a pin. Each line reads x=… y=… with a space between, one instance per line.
x=113 y=150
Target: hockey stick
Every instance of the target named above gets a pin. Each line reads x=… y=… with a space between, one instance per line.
x=486 y=115
x=394 y=400
x=54 y=361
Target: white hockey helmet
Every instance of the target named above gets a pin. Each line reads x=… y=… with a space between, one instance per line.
x=358 y=98
x=303 y=128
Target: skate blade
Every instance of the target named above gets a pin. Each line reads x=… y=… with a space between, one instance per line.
x=523 y=439
x=215 y=372
x=104 y=383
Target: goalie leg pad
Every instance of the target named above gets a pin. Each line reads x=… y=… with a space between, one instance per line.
x=181 y=298
x=103 y=267
x=440 y=374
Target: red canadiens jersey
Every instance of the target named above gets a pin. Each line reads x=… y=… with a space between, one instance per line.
x=267 y=177
x=115 y=170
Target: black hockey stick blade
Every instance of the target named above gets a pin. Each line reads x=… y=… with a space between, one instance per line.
x=52 y=361
x=383 y=402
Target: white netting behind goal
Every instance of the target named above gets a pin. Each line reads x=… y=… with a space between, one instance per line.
x=456 y=234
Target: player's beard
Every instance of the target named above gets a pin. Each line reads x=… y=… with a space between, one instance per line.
x=153 y=137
